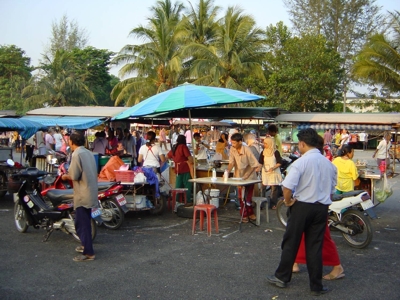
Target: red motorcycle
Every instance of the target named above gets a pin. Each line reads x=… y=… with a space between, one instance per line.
x=112 y=202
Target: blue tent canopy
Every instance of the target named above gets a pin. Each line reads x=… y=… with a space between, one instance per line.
x=67 y=121
x=26 y=128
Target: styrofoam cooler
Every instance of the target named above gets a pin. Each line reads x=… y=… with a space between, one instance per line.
x=214 y=196
x=140 y=201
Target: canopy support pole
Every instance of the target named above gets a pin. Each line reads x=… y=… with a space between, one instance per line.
x=394 y=174
x=194 y=160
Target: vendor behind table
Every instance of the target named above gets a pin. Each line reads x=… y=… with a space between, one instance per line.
x=246 y=165
x=200 y=149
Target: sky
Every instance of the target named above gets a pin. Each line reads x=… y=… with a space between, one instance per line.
x=27 y=23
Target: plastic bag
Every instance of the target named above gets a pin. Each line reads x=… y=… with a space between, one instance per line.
x=217 y=156
x=383 y=189
x=199 y=198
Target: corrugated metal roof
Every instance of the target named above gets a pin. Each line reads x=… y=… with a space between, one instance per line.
x=80 y=111
x=341 y=118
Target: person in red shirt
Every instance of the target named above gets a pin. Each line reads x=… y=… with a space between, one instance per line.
x=183 y=160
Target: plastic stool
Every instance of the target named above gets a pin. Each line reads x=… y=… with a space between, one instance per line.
x=258 y=201
x=174 y=192
x=208 y=209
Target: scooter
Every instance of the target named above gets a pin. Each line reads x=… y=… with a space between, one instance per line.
x=31 y=209
x=111 y=200
x=346 y=214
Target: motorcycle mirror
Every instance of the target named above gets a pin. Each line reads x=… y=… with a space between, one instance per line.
x=10 y=162
x=68 y=149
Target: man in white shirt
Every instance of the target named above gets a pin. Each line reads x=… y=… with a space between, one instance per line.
x=200 y=149
x=363 y=138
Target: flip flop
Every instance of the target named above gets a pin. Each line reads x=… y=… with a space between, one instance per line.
x=244 y=220
x=331 y=277
x=79 y=249
x=296 y=271
x=80 y=258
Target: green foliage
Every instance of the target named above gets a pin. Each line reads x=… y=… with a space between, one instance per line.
x=378 y=63
x=92 y=66
x=66 y=35
x=345 y=24
x=156 y=63
x=236 y=51
x=59 y=82
x=14 y=73
x=303 y=73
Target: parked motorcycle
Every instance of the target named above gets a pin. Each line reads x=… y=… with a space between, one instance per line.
x=31 y=209
x=346 y=214
x=111 y=200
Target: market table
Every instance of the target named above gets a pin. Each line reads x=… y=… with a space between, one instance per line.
x=368 y=178
x=236 y=182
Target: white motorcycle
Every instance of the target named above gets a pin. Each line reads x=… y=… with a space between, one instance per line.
x=346 y=214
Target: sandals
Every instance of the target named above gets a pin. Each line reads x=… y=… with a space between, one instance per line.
x=244 y=220
x=80 y=258
x=79 y=249
x=332 y=277
x=253 y=217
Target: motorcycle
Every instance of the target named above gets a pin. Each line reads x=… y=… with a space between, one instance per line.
x=31 y=209
x=111 y=200
x=346 y=214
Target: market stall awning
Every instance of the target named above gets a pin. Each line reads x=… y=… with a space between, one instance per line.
x=78 y=111
x=67 y=122
x=341 y=118
x=26 y=128
x=324 y=126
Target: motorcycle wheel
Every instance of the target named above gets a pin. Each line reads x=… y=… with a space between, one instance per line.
x=94 y=228
x=282 y=211
x=361 y=227
x=118 y=215
x=159 y=206
x=21 y=221
x=3 y=184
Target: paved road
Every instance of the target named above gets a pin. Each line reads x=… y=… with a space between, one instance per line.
x=158 y=258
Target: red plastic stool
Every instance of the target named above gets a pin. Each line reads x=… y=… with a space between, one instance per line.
x=208 y=209
x=173 y=193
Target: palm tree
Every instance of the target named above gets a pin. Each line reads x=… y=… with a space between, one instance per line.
x=236 y=50
x=201 y=24
x=156 y=63
x=57 y=84
x=379 y=61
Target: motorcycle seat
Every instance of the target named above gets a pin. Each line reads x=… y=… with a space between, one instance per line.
x=338 y=197
x=59 y=196
x=103 y=186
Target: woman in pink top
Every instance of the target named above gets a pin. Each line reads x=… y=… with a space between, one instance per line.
x=163 y=138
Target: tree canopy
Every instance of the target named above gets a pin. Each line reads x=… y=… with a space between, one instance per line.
x=15 y=72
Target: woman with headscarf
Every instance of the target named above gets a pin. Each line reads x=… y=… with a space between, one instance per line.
x=271 y=160
x=222 y=143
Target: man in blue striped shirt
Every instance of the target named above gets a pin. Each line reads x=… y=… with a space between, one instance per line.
x=313 y=179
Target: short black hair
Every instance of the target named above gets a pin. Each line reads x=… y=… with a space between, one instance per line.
x=196 y=135
x=237 y=137
x=272 y=128
x=320 y=144
x=309 y=136
x=77 y=138
x=346 y=149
